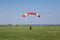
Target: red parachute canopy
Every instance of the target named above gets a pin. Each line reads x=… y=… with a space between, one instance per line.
x=31 y=13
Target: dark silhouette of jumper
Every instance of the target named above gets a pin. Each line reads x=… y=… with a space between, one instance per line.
x=30 y=27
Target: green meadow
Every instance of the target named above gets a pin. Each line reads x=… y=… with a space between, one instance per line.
x=23 y=33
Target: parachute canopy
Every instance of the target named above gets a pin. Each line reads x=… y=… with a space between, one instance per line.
x=31 y=13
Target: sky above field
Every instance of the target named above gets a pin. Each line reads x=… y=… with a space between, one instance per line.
x=11 y=11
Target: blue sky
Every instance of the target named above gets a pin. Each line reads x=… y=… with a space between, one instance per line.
x=11 y=11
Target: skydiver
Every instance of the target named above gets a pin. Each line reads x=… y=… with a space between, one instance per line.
x=30 y=27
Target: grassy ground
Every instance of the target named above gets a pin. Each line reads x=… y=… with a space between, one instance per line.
x=23 y=33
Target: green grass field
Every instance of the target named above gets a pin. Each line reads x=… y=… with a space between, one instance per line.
x=23 y=33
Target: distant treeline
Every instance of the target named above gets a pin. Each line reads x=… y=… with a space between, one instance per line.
x=33 y=25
